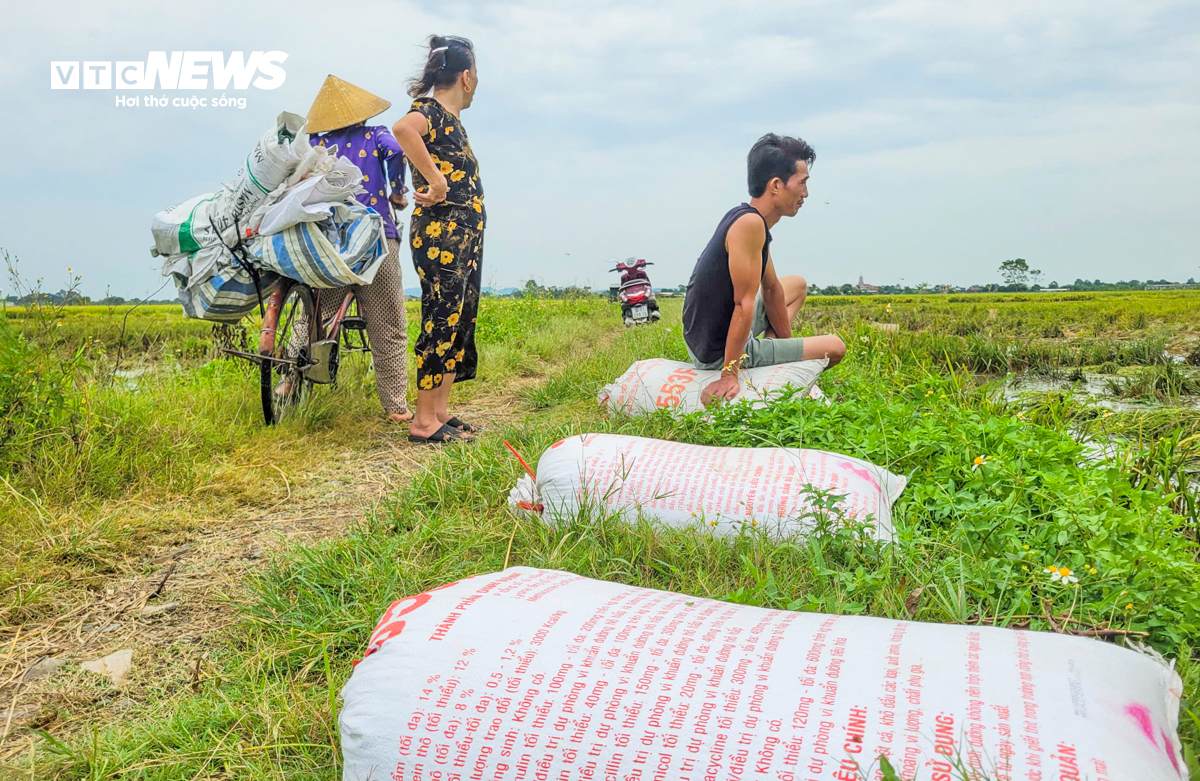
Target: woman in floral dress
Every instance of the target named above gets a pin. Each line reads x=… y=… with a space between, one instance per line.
x=445 y=234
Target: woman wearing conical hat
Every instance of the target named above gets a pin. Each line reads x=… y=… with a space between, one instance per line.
x=338 y=117
x=445 y=234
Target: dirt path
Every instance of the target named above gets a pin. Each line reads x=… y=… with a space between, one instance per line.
x=170 y=606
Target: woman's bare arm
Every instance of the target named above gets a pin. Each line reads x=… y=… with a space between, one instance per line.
x=408 y=131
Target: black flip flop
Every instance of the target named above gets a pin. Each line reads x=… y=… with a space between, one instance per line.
x=442 y=436
x=466 y=428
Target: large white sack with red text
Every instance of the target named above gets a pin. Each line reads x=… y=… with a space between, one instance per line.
x=661 y=384
x=537 y=674
x=724 y=489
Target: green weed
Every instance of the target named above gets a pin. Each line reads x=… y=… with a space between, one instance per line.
x=1166 y=382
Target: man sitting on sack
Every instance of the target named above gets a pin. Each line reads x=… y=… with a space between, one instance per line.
x=734 y=296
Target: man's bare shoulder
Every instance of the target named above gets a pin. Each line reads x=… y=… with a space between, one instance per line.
x=746 y=231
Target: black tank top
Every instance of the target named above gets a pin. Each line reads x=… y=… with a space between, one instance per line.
x=708 y=305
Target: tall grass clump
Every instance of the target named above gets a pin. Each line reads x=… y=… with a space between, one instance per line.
x=38 y=394
x=73 y=431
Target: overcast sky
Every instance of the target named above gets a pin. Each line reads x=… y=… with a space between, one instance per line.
x=950 y=134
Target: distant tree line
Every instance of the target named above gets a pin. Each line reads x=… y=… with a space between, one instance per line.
x=532 y=289
x=1078 y=285
x=1018 y=276
x=74 y=298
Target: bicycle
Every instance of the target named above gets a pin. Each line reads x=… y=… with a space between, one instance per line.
x=296 y=350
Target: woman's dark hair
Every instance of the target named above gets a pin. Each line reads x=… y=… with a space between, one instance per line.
x=775 y=156
x=449 y=56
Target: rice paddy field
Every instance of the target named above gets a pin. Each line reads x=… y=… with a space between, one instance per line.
x=143 y=506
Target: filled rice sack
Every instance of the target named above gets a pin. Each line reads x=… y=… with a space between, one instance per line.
x=537 y=674
x=724 y=489
x=657 y=383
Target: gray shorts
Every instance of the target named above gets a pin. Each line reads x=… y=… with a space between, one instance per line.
x=760 y=352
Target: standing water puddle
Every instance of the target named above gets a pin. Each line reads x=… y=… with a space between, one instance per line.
x=1097 y=389
x=130 y=376
x=1088 y=386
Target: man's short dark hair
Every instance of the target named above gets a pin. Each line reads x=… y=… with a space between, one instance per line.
x=776 y=156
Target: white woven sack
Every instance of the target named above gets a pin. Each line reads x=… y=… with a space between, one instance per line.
x=661 y=384
x=269 y=163
x=536 y=674
x=321 y=180
x=188 y=226
x=724 y=489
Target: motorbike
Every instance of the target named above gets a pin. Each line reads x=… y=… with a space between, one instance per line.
x=635 y=294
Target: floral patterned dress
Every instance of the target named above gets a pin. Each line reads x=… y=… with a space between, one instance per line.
x=447 y=248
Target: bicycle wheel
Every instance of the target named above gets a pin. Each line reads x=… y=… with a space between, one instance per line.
x=295 y=331
x=354 y=329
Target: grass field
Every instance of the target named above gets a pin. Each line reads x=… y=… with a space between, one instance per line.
x=1088 y=463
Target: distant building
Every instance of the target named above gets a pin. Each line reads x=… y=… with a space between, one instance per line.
x=863 y=287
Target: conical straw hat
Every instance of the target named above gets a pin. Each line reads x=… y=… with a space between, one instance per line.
x=340 y=104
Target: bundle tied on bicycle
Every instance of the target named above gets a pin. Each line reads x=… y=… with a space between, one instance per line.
x=289 y=213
